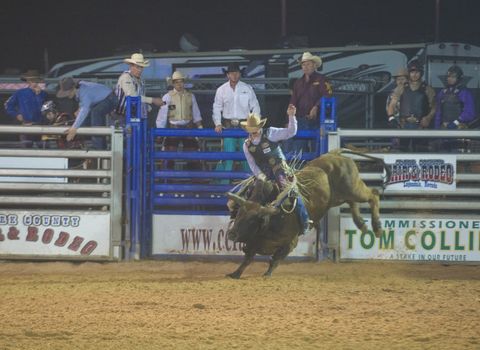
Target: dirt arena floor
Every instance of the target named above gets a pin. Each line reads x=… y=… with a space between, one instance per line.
x=190 y=305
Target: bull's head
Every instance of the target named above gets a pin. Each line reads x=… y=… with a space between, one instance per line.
x=251 y=217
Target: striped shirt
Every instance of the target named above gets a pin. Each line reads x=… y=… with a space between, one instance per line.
x=128 y=85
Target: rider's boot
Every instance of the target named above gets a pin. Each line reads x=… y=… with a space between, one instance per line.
x=304 y=219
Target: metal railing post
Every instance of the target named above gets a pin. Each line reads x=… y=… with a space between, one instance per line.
x=134 y=172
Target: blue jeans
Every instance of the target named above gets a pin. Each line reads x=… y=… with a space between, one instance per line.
x=295 y=145
x=98 y=117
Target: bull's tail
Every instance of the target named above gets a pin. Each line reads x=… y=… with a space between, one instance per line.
x=388 y=171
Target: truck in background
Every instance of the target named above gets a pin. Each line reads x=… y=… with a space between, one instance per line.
x=362 y=75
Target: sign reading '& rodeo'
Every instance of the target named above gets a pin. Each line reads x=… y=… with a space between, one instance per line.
x=32 y=233
x=427 y=239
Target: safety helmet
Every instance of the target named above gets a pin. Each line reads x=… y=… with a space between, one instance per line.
x=415 y=65
x=48 y=106
x=455 y=70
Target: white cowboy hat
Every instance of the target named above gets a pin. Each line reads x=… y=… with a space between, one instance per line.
x=137 y=59
x=177 y=75
x=401 y=72
x=307 y=56
x=253 y=123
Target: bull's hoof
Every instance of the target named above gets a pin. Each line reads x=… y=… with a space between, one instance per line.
x=267 y=275
x=233 y=275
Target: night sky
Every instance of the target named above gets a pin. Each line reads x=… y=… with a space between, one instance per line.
x=87 y=29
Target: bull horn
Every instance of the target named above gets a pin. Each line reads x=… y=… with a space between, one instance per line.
x=237 y=199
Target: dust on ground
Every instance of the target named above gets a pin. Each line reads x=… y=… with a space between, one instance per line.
x=191 y=305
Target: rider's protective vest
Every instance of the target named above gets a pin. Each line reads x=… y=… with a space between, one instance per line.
x=451 y=105
x=180 y=106
x=414 y=102
x=267 y=154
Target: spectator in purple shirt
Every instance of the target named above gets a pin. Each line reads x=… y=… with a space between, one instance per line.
x=456 y=107
x=306 y=97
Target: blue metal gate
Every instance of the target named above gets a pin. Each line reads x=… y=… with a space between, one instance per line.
x=151 y=187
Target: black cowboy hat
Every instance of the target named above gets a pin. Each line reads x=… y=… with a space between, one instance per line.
x=233 y=67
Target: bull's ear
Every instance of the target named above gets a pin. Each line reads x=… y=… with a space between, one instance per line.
x=237 y=199
x=268 y=210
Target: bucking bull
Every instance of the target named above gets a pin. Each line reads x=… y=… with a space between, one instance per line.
x=325 y=182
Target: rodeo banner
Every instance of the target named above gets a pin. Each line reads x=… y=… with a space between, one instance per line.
x=413 y=239
x=207 y=235
x=49 y=233
x=421 y=172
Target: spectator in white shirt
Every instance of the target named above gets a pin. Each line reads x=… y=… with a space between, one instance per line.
x=234 y=101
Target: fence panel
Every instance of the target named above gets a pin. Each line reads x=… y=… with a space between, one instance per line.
x=430 y=207
x=58 y=203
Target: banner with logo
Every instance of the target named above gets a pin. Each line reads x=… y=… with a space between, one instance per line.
x=413 y=239
x=206 y=235
x=424 y=172
x=50 y=233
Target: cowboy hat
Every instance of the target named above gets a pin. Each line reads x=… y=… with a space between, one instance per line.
x=401 y=72
x=253 y=123
x=138 y=60
x=66 y=85
x=177 y=75
x=307 y=56
x=32 y=75
x=232 y=67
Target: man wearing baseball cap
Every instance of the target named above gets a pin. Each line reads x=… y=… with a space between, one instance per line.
x=96 y=102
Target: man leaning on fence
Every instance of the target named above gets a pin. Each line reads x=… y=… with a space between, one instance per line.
x=96 y=102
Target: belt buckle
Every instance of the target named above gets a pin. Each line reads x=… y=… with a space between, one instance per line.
x=234 y=122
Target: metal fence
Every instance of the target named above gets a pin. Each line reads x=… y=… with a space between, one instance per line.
x=464 y=201
x=41 y=183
